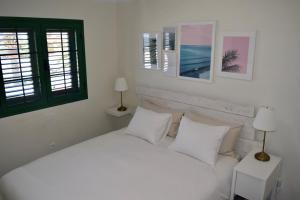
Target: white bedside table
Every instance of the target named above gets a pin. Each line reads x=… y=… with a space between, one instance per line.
x=253 y=179
x=113 y=111
x=120 y=119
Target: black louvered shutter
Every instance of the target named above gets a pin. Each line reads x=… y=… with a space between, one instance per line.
x=64 y=63
x=19 y=74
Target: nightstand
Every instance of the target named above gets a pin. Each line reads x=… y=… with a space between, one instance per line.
x=113 y=111
x=253 y=179
x=119 y=119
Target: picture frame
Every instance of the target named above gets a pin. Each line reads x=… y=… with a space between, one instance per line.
x=169 y=38
x=236 y=56
x=150 y=50
x=169 y=51
x=196 y=48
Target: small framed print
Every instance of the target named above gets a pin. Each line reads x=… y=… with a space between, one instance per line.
x=169 y=51
x=169 y=38
x=150 y=50
x=237 y=55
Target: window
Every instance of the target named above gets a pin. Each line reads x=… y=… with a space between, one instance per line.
x=151 y=50
x=42 y=63
x=19 y=78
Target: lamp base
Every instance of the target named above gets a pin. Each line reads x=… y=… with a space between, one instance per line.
x=122 y=108
x=262 y=156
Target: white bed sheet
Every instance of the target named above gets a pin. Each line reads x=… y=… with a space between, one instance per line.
x=223 y=170
x=116 y=166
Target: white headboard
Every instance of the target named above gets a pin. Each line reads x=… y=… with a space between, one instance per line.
x=232 y=112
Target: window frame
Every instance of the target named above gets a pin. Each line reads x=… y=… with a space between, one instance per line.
x=38 y=27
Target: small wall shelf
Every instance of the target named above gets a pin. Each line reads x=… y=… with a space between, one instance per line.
x=113 y=111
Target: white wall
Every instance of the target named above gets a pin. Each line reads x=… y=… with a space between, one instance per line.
x=27 y=136
x=276 y=77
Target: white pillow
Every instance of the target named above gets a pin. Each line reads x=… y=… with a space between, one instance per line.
x=198 y=140
x=149 y=125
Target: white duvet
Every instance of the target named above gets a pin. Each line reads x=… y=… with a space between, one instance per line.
x=116 y=166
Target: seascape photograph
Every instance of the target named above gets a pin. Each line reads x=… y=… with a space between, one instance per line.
x=196 y=51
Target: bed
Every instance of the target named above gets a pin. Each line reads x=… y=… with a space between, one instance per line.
x=117 y=166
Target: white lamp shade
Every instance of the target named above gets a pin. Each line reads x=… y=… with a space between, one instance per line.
x=121 y=85
x=264 y=120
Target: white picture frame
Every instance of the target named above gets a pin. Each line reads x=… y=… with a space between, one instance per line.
x=206 y=40
x=236 y=43
x=143 y=64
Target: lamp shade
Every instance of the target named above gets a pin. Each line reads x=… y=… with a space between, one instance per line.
x=265 y=119
x=121 y=85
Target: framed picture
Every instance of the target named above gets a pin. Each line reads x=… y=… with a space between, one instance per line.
x=169 y=38
x=237 y=55
x=169 y=51
x=196 y=51
x=150 y=51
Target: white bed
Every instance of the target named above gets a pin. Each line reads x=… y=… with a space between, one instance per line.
x=117 y=166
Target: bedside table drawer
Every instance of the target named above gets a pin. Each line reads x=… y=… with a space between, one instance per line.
x=249 y=187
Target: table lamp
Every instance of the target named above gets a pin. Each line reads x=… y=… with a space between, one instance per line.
x=121 y=86
x=264 y=121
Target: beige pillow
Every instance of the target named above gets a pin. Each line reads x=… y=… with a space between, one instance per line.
x=229 y=139
x=176 y=116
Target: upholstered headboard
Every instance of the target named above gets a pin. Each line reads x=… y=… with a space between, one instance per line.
x=216 y=108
